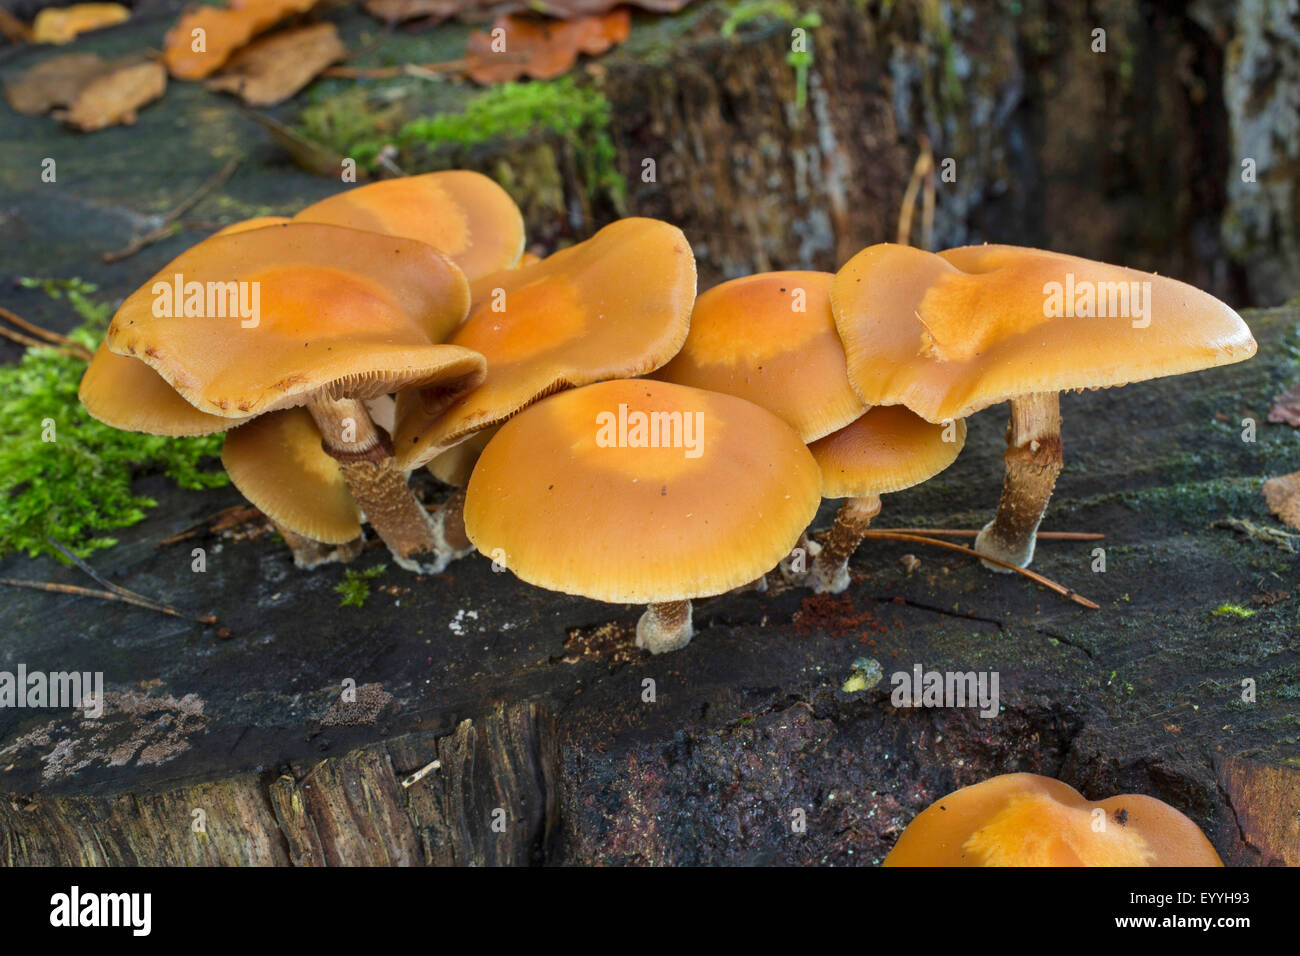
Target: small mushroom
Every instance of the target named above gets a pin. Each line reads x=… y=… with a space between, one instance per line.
x=464 y=215
x=614 y=306
x=277 y=462
x=327 y=317
x=887 y=449
x=1023 y=819
x=637 y=491
x=770 y=339
x=949 y=334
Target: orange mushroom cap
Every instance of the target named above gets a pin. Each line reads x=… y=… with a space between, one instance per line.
x=462 y=214
x=771 y=339
x=125 y=393
x=277 y=463
x=246 y=225
x=1022 y=819
x=354 y=313
x=949 y=334
x=224 y=32
x=887 y=449
x=615 y=306
x=576 y=506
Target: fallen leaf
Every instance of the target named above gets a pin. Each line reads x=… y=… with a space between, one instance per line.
x=113 y=98
x=55 y=82
x=541 y=49
x=1286 y=408
x=272 y=69
x=204 y=38
x=60 y=25
x=13 y=29
x=1283 y=497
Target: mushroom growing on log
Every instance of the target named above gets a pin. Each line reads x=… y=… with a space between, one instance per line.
x=326 y=318
x=1023 y=819
x=951 y=333
x=637 y=491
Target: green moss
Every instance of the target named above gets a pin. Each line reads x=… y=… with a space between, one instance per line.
x=355 y=586
x=578 y=115
x=359 y=125
x=1232 y=610
x=801 y=59
x=63 y=474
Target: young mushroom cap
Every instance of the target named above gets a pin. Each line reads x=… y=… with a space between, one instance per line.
x=615 y=306
x=125 y=393
x=1022 y=819
x=247 y=225
x=949 y=334
x=576 y=507
x=462 y=214
x=771 y=339
x=278 y=464
x=887 y=449
x=341 y=312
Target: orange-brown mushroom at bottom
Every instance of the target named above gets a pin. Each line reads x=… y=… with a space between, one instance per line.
x=642 y=492
x=1023 y=819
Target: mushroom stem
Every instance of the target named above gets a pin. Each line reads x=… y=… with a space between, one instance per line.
x=378 y=486
x=309 y=553
x=830 y=569
x=449 y=525
x=665 y=627
x=1033 y=460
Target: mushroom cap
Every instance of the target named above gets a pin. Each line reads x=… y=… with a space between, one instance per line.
x=747 y=340
x=245 y=225
x=949 y=334
x=887 y=449
x=340 y=310
x=615 y=306
x=462 y=214
x=277 y=463
x=125 y=393
x=1023 y=819
x=456 y=464
x=627 y=523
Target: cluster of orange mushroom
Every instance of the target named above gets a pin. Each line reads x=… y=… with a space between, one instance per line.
x=609 y=434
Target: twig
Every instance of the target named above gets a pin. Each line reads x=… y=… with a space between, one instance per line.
x=124 y=593
x=973 y=532
x=1073 y=595
x=41 y=338
x=225 y=518
x=923 y=168
x=165 y=228
x=388 y=72
x=53 y=588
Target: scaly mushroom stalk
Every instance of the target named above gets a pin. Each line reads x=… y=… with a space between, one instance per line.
x=380 y=488
x=1033 y=460
x=829 y=573
x=665 y=627
x=309 y=553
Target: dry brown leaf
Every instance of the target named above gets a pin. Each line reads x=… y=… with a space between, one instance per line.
x=541 y=49
x=1286 y=408
x=223 y=32
x=13 y=29
x=113 y=98
x=60 y=25
x=55 y=82
x=1283 y=497
x=272 y=69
